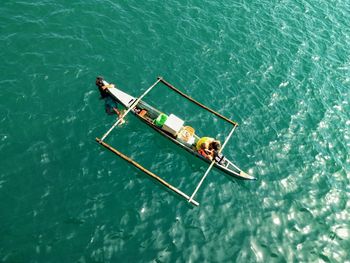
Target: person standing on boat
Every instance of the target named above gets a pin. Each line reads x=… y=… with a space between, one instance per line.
x=111 y=105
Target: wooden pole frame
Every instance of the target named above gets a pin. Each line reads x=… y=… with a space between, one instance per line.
x=143 y=169
x=196 y=102
x=235 y=124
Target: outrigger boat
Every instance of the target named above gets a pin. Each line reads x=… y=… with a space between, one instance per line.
x=172 y=128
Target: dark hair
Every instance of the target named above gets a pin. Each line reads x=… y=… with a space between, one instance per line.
x=215 y=145
x=99 y=81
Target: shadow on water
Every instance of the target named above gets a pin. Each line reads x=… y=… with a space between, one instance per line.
x=245 y=184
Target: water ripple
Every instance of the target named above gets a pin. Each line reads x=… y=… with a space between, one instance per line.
x=281 y=69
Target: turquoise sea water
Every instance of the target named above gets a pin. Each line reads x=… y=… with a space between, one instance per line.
x=280 y=68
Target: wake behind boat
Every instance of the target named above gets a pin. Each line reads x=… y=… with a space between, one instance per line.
x=171 y=127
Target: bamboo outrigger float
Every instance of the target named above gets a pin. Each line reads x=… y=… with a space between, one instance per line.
x=174 y=130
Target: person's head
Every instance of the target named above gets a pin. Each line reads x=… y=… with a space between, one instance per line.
x=215 y=145
x=99 y=81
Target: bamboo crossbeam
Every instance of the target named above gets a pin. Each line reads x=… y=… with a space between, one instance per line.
x=143 y=169
x=196 y=102
x=211 y=165
x=130 y=108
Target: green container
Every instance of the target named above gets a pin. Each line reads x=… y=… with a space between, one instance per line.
x=161 y=119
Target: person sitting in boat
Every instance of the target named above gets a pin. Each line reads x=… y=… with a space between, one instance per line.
x=215 y=147
x=207 y=147
x=111 y=105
